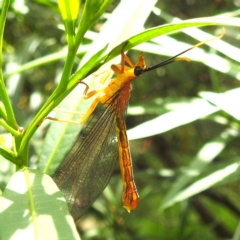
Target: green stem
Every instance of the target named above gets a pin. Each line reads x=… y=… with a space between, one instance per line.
x=64 y=88
x=58 y=95
x=9 y=128
x=4 y=96
x=67 y=69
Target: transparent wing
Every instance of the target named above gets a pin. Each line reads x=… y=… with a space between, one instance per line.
x=87 y=169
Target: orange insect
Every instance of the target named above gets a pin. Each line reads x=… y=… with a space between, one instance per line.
x=87 y=169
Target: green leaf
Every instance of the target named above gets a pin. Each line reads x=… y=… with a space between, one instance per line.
x=204 y=183
x=30 y=204
x=171 y=28
x=185 y=113
x=227 y=101
x=92 y=11
x=203 y=158
x=8 y=155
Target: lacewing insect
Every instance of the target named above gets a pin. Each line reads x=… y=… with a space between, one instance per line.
x=87 y=169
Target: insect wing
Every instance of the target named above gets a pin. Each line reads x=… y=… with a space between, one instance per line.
x=87 y=169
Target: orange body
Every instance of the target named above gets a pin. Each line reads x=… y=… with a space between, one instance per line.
x=121 y=85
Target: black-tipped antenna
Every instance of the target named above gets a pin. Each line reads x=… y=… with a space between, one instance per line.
x=174 y=58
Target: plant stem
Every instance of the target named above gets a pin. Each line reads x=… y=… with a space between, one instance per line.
x=4 y=96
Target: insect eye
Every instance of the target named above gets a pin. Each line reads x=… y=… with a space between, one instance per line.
x=138 y=71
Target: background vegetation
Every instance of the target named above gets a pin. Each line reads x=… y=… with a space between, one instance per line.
x=185 y=155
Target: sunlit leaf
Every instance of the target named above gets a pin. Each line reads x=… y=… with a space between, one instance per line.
x=32 y=203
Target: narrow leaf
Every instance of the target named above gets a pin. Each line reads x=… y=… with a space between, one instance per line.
x=186 y=113
x=205 y=183
x=203 y=158
x=227 y=101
